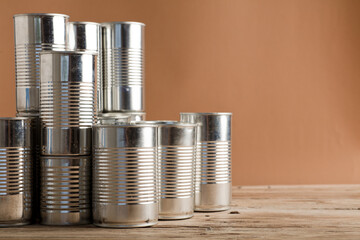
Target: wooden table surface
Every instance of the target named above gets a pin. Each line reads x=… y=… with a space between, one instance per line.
x=262 y=212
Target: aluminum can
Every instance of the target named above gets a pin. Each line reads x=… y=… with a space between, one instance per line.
x=176 y=159
x=35 y=149
x=34 y=33
x=86 y=36
x=125 y=175
x=213 y=168
x=67 y=102
x=65 y=190
x=15 y=171
x=123 y=62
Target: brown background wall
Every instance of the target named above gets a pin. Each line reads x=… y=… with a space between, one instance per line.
x=288 y=70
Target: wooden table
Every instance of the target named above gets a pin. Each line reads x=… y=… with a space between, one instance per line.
x=263 y=212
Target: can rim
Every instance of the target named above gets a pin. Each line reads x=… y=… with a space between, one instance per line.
x=205 y=113
x=87 y=52
x=85 y=22
x=40 y=14
x=122 y=22
x=115 y=114
x=14 y=118
x=122 y=125
x=169 y=123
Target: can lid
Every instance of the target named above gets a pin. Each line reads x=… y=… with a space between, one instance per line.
x=68 y=52
x=127 y=125
x=13 y=118
x=124 y=22
x=84 y=23
x=165 y=123
x=205 y=113
x=41 y=14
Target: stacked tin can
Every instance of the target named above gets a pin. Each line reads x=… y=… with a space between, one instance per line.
x=33 y=34
x=123 y=69
x=68 y=111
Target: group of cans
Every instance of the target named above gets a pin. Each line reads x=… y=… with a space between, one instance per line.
x=80 y=150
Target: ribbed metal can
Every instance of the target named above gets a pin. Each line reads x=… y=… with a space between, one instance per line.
x=34 y=33
x=35 y=149
x=15 y=171
x=213 y=169
x=176 y=159
x=67 y=102
x=123 y=62
x=133 y=116
x=125 y=175
x=65 y=190
x=86 y=36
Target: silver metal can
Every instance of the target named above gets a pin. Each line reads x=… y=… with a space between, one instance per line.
x=123 y=53
x=35 y=149
x=67 y=102
x=34 y=33
x=176 y=159
x=15 y=171
x=65 y=190
x=86 y=36
x=125 y=175
x=133 y=116
x=213 y=170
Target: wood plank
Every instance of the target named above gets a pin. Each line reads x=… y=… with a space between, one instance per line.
x=260 y=212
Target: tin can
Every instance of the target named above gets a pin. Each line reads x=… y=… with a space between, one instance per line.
x=15 y=171
x=213 y=180
x=67 y=102
x=34 y=33
x=123 y=53
x=125 y=175
x=65 y=190
x=133 y=116
x=176 y=159
x=86 y=36
x=35 y=149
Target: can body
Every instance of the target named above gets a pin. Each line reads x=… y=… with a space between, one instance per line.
x=213 y=170
x=15 y=171
x=177 y=144
x=65 y=190
x=125 y=176
x=33 y=34
x=67 y=102
x=123 y=53
x=86 y=36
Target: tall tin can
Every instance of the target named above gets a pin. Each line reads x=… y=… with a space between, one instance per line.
x=123 y=61
x=65 y=190
x=67 y=102
x=34 y=33
x=86 y=36
x=176 y=159
x=213 y=170
x=15 y=171
x=125 y=175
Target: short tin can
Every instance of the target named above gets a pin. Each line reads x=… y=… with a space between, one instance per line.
x=213 y=170
x=16 y=171
x=125 y=175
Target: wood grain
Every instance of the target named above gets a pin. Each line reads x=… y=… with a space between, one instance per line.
x=263 y=212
